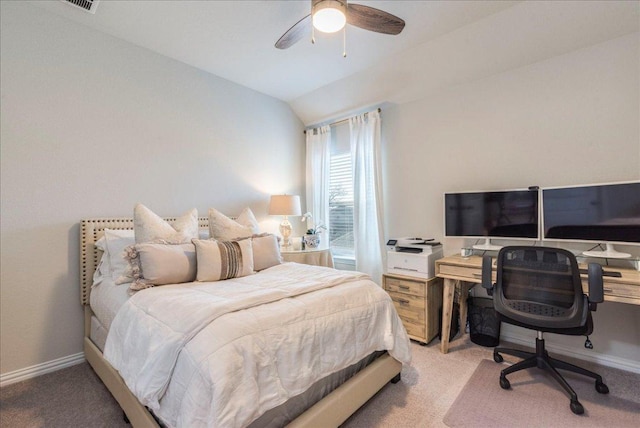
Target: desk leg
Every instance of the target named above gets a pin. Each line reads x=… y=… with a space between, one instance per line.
x=447 y=310
x=464 y=293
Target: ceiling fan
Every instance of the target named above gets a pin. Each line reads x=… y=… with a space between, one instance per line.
x=329 y=16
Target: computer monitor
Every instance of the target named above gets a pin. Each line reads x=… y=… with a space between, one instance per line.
x=600 y=213
x=508 y=214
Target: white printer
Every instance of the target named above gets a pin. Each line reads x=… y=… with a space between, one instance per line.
x=413 y=256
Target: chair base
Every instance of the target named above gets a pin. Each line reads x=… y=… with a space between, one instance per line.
x=542 y=360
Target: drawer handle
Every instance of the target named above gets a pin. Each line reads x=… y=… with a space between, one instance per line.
x=607 y=290
x=403 y=287
x=477 y=275
x=403 y=301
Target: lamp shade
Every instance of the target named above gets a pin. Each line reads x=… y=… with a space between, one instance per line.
x=285 y=205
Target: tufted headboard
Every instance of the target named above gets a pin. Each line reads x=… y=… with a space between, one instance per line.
x=90 y=231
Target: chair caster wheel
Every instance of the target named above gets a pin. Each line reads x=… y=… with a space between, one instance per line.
x=576 y=407
x=497 y=358
x=602 y=388
x=504 y=383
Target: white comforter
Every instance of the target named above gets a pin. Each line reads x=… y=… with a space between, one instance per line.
x=223 y=353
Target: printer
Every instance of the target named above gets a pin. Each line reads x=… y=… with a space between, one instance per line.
x=413 y=256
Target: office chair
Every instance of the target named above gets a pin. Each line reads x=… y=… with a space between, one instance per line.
x=539 y=288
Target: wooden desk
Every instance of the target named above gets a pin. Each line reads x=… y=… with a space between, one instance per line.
x=465 y=272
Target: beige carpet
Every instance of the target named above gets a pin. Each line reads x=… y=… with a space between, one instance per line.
x=428 y=388
x=535 y=400
x=432 y=383
x=75 y=397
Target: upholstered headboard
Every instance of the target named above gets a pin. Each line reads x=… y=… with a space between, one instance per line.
x=90 y=231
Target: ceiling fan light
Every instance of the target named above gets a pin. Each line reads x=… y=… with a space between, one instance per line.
x=329 y=16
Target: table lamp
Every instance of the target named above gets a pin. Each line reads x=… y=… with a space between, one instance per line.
x=285 y=205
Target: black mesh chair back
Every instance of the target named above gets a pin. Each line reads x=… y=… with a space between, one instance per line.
x=540 y=286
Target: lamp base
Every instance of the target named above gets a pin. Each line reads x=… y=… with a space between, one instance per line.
x=285 y=231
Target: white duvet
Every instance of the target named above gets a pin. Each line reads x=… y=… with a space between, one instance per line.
x=223 y=353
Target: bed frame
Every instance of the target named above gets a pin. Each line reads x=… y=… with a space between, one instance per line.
x=331 y=411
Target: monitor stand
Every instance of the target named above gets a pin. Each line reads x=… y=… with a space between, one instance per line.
x=609 y=253
x=487 y=246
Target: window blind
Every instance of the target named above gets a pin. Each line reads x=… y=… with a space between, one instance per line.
x=341 y=206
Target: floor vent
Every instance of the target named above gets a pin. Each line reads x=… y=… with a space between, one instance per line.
x=86 y=5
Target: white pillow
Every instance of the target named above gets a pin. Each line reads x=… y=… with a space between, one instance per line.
x=266 y=251
x=223 y=228
x=115 y=243
x=218 y=260
x=149 y=226
x=103 y=269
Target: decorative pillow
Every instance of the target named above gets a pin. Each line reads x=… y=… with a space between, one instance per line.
x=148 y=226
x=218 y=260
x=103 y=269
x=115 y=243
x=223 y=228
x=266 y=251
x=160 y=263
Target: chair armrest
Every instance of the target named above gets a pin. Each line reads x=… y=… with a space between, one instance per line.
x=486 y=274
x=596 y=291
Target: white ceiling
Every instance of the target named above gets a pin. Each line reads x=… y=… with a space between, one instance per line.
x=235 y=39
x=443 y=43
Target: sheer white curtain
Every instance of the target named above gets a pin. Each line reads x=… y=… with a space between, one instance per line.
x=367 y=193
x=317 y=173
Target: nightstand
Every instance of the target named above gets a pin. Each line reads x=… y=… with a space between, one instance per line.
x=311 y=256
x=417 y=301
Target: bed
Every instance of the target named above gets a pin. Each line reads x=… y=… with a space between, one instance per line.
x=358 y=381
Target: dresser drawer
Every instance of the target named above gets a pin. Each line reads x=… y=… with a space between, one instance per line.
x=405 y=286
x=473 y=274
x=413 y=328
x=416 y=315
x=407 y=301
x=616 y=289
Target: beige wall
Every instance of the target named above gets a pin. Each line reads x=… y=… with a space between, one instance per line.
x=90 y=126
x=573 y=119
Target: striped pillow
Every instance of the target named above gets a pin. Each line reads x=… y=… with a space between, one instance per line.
x=218 y=260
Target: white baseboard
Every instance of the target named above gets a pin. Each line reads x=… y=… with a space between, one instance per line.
x=587 y=355
x=40 y=369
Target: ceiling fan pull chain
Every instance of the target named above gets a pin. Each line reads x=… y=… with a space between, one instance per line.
x=313 y=35
x=344 y=41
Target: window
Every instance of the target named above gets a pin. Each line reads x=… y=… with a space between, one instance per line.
x=341 y=206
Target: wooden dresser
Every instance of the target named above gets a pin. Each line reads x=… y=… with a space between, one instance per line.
x=417 y=301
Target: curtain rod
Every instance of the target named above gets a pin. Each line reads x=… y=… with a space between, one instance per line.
x=343 y=120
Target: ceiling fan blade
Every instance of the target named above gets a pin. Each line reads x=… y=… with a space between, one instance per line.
x=295 y=33
x=373 y=19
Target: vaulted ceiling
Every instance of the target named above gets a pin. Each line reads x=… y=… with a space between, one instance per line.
x=443 y=43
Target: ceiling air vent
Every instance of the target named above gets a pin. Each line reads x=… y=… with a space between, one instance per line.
x=86 y=5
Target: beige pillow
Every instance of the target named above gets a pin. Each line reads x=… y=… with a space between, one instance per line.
x=223 y=228
x=148 y=226
x=154 y=263
x=266 y=251
x=218 y=260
